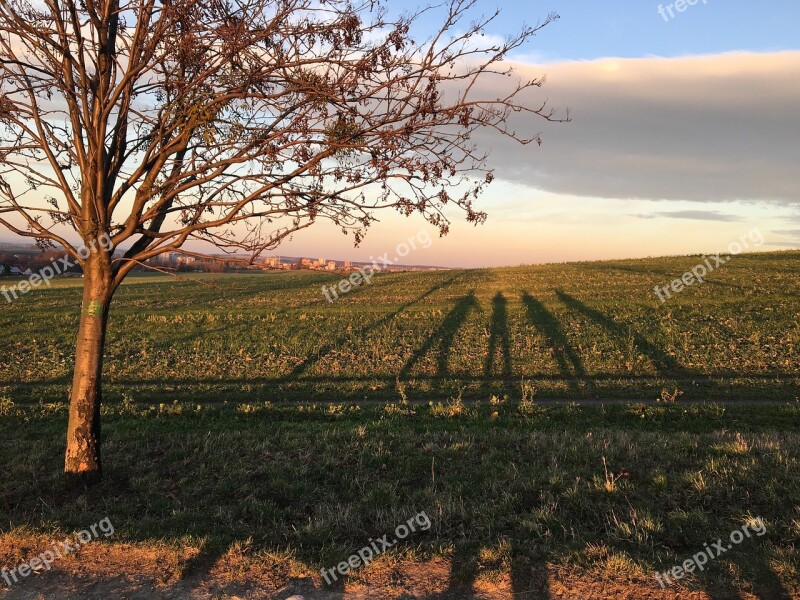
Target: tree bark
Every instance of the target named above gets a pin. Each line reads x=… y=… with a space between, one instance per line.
x=82 y=463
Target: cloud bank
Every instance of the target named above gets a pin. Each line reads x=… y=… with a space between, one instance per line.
x=706 y=129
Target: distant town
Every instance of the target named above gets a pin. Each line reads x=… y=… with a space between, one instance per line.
x=18 y=260
x=188 y=262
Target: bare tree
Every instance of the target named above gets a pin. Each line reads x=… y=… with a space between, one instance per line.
x=235 y=122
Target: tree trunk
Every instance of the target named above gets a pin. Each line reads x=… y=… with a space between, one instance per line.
x=82 y=462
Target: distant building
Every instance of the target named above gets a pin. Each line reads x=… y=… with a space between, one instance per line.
x=331 y=266
x=182 y=259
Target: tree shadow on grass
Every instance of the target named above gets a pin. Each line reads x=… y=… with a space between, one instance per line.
x=299 y=482
x=463 y=572
x=313 y=359
x=720 y=588
x=663 y=362
x=529 y=578
x=499 y=349
x=765 y=582
x=499 y=336
x=569 y=362
x=442 y=339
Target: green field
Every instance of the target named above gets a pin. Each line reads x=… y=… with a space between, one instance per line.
x=585 y=330
x=235 y=422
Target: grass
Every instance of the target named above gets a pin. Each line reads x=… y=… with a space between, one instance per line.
x=525 y=484
x=577 y=331
x=230 y=421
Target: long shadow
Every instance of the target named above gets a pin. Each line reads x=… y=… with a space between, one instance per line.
x=664 y=363
x=569 y=362
x=463 y=573
x=311 y=360
x=209 y=469
x=442 y=338
x=498 y=339
x=720 y=588
x=768 y=586
x=529 y=580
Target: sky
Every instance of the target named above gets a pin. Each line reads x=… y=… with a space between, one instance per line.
x=684 y=137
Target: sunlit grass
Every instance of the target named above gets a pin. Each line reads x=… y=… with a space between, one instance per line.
x=515 y=489
x=230 y=424
x=587 y=330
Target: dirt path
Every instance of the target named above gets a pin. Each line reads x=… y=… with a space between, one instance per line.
x=104 y=571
